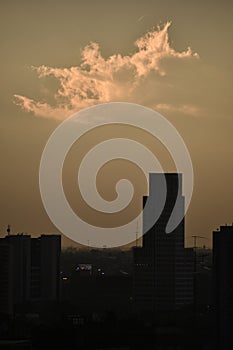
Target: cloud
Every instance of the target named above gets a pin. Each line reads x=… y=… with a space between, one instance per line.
x=140 y=18
x=98 y=79
x=187 y=109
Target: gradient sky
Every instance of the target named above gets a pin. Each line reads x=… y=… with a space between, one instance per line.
x=191 y=87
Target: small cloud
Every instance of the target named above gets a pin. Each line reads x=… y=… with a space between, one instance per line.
x=140 y=18
x=41 y=109
x=186 y=109
x=98 y=79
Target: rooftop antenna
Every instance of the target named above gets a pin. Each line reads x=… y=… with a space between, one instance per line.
x=8 y=230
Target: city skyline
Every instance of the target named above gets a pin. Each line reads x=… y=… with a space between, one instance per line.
x=162 y=288
x=190 y=87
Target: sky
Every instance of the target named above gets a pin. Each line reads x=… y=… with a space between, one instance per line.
x=58 y=57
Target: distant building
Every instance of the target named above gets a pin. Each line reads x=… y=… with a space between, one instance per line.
x=6 y=279
x=84 y=269
x=35 y=280
x=203 y=279
x=223 y=277
x=50 y=248
x=99 y=293
x=163 y=268
x=21 y=250
x=45 y=267
x=34 y=267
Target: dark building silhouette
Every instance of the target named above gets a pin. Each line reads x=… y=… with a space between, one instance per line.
x=33 y=265
x=21 y=251
x=203 y=279
x=45 y=267
x=99 y=294
x=6 y=279
x=163 y=268
x=223 y=279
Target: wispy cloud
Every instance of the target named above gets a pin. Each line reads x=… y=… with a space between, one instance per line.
x=98 y=79
x=187 y=109
x=140 y=18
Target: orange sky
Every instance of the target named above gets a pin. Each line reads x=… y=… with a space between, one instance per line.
x=86 y=52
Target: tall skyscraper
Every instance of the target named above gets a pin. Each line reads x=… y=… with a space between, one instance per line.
x=223 y=278
x=163 y=268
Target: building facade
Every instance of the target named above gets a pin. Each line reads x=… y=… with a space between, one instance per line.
x=6 y=280
x=223 y=285
x=163 y=267
x=34 y=267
